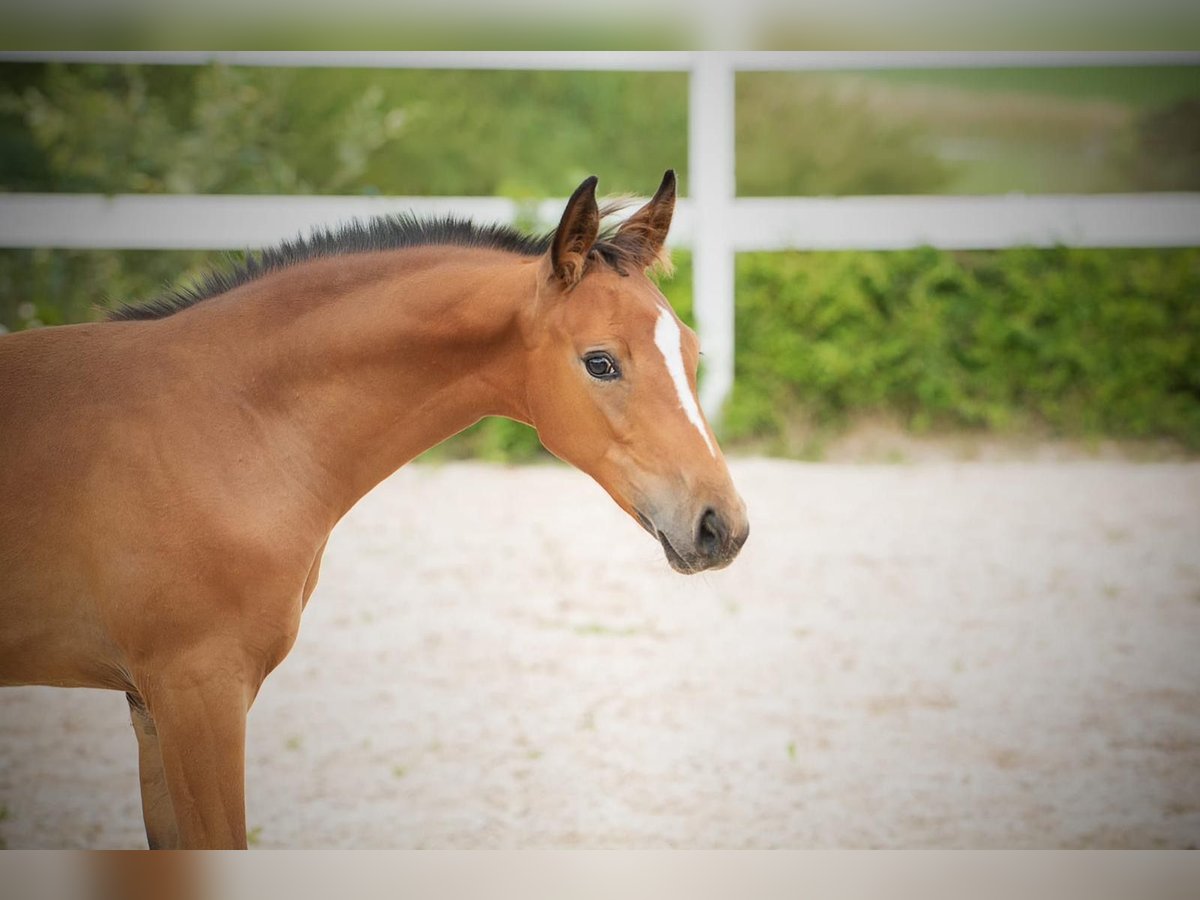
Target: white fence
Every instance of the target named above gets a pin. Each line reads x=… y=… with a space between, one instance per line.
x=712 y=220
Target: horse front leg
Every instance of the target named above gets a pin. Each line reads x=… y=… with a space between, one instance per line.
x=162 y=832
x=199 y=711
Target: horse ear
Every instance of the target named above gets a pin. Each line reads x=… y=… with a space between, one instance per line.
x=575 y=235
x=645 y=232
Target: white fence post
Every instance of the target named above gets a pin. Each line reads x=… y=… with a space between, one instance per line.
x=711 y=188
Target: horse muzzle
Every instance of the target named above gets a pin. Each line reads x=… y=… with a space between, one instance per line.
x=710 y=540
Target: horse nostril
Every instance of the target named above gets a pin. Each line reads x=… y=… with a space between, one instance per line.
x=712 y=533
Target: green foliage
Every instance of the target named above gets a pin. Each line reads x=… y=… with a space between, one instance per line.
x=127 y=129
x=967 y=131
x=216 y=129
x=493 y=439
x=56 y=287
x=1084 y=342
x=803 y=136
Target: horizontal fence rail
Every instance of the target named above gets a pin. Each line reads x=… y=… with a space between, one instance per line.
x=966 y=223
x=620 y=60
x=225 y=222
x=713 y=221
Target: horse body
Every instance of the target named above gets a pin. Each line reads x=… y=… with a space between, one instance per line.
x=169 y=485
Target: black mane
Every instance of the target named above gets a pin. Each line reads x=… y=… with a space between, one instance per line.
x=381 y=233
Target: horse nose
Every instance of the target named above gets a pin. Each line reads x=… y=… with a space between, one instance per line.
x=712 y=534
x=720 y=536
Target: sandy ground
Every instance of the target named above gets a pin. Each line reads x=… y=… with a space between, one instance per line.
x=933 y=654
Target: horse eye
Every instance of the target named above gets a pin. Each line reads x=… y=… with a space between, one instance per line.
x=601 y=365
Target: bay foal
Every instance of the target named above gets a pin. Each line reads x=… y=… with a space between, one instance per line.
x=168 y=479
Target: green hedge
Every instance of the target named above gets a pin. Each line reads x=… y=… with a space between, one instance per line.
x=1084 y=343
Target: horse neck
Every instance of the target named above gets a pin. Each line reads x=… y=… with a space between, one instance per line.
x=362 y=362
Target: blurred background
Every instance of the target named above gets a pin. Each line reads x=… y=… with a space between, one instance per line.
x=973 y=623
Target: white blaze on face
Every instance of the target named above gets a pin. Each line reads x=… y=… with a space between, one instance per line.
x=669 y=340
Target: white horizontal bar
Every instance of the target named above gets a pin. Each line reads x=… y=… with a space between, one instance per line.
x=167 y=221
x=618 y=60
x=579 y=60
x=967 y=223
x=235 y=222
x=817 y=60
